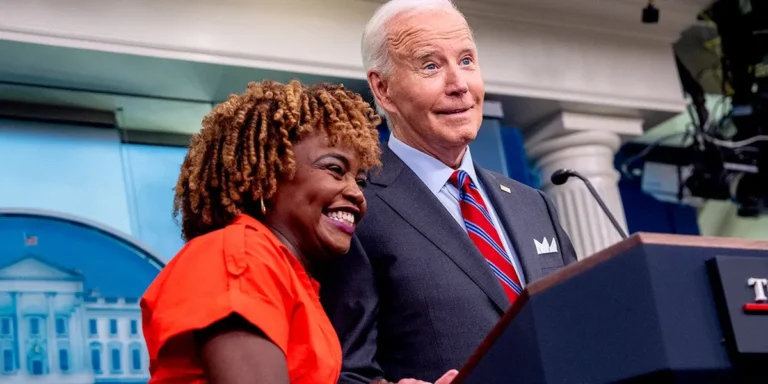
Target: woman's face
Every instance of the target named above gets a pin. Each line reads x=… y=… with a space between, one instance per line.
x=317 y=211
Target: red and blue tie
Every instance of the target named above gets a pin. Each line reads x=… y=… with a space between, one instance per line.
x=483 y=233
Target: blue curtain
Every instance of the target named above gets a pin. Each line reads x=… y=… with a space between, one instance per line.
x=646 y=214
x=518 y=165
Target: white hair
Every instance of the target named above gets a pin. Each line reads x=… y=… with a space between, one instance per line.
x=374 y=42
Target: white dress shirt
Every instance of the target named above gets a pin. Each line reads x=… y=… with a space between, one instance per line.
x=435 y=175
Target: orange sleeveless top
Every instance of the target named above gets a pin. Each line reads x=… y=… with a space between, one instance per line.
x=241 y=269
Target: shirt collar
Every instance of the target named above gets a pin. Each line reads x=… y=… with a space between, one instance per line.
x=430 y=170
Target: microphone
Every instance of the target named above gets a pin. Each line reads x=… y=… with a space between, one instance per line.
x=560 y=176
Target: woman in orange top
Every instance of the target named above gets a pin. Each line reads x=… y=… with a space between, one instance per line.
x=270 y=186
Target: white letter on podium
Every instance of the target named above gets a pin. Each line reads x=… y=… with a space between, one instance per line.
x=759 y=285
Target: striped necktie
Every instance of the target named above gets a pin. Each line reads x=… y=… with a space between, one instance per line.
x=483 y=233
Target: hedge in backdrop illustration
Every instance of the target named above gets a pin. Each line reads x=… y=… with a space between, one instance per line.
x=69 y=301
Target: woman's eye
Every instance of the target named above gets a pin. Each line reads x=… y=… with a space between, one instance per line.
x=362 y=183
x=336 y=169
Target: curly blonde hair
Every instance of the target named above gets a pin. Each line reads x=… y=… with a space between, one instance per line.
x=246 y=146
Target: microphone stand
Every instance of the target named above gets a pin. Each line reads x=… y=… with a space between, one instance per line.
x=560 y=176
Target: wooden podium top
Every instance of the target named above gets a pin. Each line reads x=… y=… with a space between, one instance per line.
x=696 y=241
x=644 y=238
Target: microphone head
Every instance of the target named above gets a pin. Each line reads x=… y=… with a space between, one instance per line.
x=560 y=176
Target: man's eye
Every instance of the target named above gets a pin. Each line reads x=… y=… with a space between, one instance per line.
x=362 y=183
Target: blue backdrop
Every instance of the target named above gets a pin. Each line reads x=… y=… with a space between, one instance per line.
x=151 y=172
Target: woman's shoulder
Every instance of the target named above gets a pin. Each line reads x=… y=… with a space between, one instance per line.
x=248 y=242
x=209 y=261
x=245 y=235
x=241 y=268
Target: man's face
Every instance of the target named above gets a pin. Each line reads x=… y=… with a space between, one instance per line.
x=434 y=94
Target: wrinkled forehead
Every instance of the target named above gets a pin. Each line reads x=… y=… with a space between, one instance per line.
x=418 y=33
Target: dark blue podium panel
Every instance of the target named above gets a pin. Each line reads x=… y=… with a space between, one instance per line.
x=647 y=313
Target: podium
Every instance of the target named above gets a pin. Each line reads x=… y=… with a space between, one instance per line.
x=651 y=309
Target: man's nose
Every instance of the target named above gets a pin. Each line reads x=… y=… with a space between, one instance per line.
x=455 y=82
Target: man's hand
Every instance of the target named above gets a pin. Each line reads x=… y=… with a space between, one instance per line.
x=446 y=379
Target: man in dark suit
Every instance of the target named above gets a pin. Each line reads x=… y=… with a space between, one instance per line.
x=445 y=246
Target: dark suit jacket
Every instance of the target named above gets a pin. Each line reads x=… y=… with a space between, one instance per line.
x=414 y=297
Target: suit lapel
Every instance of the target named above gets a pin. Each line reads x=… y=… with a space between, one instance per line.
x=507 y=206
x=411 y=199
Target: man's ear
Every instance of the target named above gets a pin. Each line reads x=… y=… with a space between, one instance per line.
x=380 y=88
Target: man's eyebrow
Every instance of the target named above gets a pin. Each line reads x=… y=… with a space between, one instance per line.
x=468 y=50
x=423 y=53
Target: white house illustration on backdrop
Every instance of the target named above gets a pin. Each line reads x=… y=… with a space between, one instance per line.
x=52 y=331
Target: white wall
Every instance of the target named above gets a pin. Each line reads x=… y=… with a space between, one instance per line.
x=747 y=228
x=719 y=218
x=554 y=55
